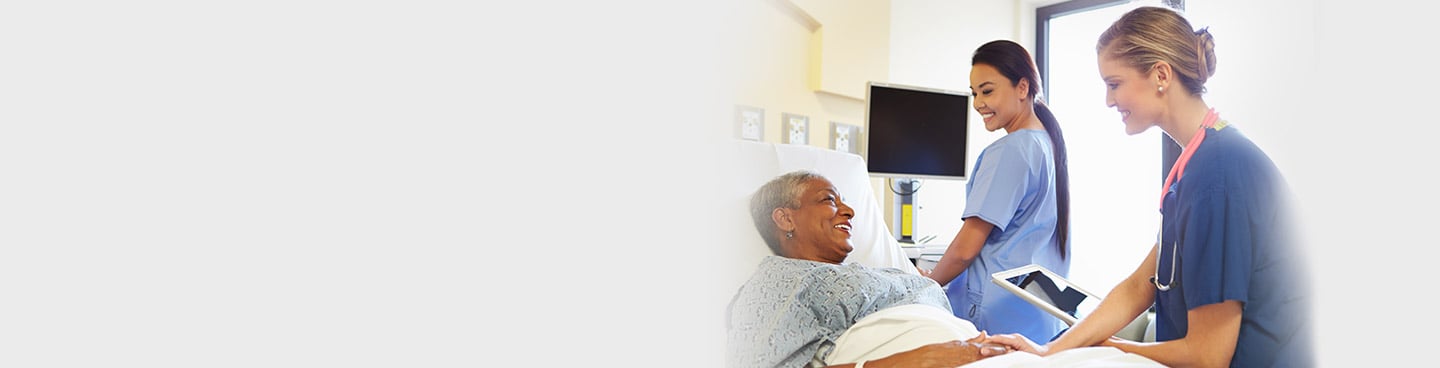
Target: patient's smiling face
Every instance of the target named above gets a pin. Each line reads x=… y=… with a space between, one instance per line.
x=821 y=224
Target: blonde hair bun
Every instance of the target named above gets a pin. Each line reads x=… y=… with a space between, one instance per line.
x=1205 y=49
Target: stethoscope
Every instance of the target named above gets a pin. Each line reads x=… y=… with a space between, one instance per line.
x=1177 y=171
x=1174 y=258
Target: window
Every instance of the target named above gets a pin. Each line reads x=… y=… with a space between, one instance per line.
x=1113 y=182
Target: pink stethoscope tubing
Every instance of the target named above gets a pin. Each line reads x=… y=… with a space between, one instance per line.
x=1176 y=172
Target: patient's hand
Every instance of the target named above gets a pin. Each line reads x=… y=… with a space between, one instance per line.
x=945 y=354
x=1017 y=342
x=988 y=349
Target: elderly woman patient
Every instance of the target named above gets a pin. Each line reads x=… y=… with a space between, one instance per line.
x=799 y=306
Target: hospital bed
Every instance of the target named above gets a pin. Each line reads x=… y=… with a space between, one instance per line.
x=888 y=331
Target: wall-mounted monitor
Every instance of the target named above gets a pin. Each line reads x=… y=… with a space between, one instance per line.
x=916 y=132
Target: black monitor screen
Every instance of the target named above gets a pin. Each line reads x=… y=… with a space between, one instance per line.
x=916 y=132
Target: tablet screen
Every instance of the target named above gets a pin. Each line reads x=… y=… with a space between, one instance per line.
x=1038 y=286
x=1060 y=298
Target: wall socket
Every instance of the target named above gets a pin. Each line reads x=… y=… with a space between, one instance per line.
x=749 y=123
x=797 y=128
x=844 y=137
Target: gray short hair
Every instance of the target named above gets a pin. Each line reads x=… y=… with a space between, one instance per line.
x=782 y=192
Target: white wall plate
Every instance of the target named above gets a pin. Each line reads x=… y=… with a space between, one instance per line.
x=749 y=123
x=797 y=128
x=844 y=137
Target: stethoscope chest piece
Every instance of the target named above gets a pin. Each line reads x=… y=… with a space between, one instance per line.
x=1174 y=258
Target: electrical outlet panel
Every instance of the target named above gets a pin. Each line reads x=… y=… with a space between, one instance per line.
x=796 y=128
x=750 y=123
x=844 y=137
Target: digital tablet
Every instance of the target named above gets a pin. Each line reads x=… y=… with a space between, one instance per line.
x=1048 y=291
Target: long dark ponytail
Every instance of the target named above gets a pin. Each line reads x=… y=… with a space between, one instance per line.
x=1015 y=63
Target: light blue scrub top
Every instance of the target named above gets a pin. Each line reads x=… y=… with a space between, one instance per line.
x=1013 y=188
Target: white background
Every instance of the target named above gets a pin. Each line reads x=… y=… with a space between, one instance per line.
x=329 y=183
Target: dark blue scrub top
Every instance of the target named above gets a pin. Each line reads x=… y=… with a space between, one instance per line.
x=1228 y=217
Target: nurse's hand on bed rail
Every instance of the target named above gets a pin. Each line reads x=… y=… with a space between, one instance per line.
x=1018 y=342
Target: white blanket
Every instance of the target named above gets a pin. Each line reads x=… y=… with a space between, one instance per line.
x=896 y=329
x=1097 y=357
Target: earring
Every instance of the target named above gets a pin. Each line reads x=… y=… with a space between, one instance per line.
x=1161 y=89
x=789 y=234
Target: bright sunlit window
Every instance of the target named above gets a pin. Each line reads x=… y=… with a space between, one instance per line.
x=1114 y=177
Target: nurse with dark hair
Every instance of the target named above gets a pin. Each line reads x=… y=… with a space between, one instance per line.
x=1017 y=203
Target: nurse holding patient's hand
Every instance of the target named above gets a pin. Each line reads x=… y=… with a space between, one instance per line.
x=1225 y=278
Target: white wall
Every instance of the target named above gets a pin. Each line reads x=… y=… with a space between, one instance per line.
x=1371 y=211
x=810 y=58
x=307 y=183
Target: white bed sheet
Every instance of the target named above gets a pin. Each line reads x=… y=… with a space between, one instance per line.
x=896 y=329
x=1096 y=357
